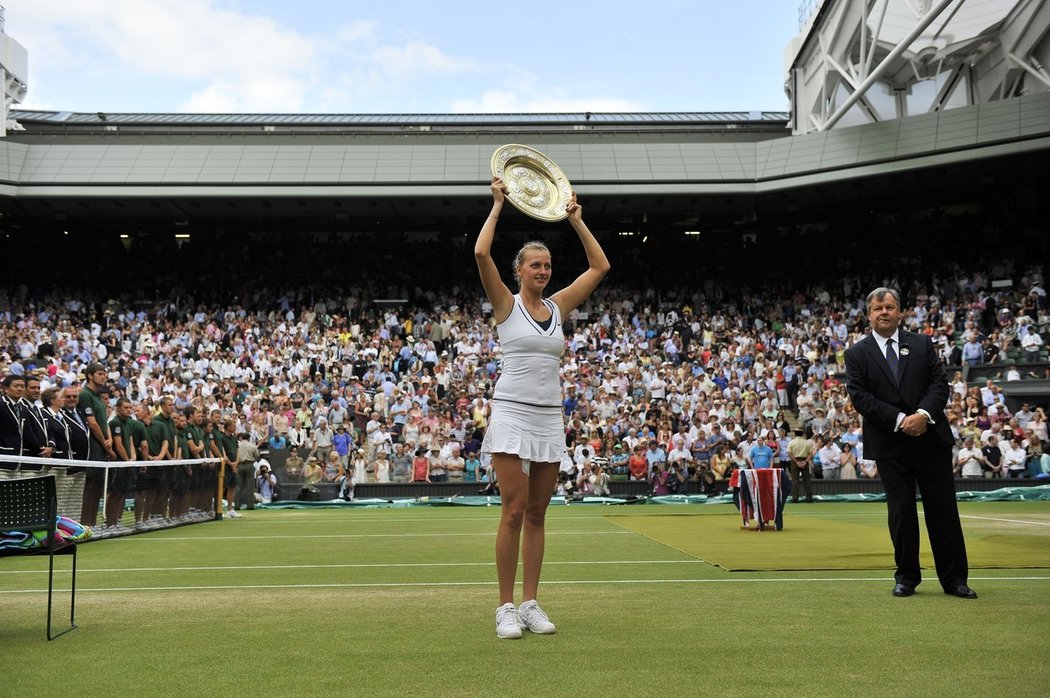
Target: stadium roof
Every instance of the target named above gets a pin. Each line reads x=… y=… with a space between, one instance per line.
x=68 y=167
x=609 y=118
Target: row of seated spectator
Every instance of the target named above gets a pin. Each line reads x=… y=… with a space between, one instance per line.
x=365 y=390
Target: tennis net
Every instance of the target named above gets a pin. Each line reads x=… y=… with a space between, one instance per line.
x=117 y=498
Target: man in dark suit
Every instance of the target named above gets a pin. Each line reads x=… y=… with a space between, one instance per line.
x=11 y=421
x=79 y=434
x=34 y=427
x=897 y=383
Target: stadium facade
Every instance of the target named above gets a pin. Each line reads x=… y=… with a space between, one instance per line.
x=647 y=174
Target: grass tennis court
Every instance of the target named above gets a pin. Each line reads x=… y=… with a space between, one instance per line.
x=401 y=602
x=831 y=539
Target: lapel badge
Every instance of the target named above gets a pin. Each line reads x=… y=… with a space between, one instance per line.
x=905 y=351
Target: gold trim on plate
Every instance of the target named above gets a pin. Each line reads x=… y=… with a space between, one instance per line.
x=536 y=186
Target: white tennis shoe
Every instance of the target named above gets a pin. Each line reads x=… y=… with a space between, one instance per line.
x=507 y=627
x=532 y=618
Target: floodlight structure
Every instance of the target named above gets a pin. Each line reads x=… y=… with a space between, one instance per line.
x=14 y=69
x=865 y=61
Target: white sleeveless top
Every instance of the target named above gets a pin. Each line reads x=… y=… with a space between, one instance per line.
x=531 y=357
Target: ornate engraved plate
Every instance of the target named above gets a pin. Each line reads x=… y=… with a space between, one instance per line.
x=536 y=186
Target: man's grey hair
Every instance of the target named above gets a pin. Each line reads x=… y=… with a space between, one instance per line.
x=880 y=293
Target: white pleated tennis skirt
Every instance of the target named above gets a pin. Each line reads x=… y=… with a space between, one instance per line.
x=534 y=434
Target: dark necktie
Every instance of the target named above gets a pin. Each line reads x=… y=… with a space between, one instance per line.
x=891 y=358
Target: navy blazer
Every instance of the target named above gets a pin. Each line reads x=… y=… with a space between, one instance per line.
x=79 y=436
x=57 y=434
x=879 y=398
x=11 y=425
x=34 y=431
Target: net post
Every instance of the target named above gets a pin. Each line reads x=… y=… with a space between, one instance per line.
x=218 y=496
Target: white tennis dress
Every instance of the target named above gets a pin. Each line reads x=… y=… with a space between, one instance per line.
x=527 y=418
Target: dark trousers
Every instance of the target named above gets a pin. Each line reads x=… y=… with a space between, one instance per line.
x=93 y=485
x=90 y=502
x=245 y=492
x=932 y=473
x=807 y=481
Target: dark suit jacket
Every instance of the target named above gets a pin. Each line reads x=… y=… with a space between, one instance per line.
x=879 y=398
x=78 y=436
x=34 y=431
x=57 y=434
x=10 y=428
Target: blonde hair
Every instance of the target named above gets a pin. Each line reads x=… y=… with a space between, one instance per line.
x=519 y=258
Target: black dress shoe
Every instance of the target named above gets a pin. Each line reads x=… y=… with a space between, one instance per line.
x=962 y=591
x=903 y=590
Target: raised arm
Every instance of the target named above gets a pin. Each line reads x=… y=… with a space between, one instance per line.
x=597 y=264
x=497 y=292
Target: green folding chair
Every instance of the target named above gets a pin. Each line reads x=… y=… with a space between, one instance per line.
x=29 y=505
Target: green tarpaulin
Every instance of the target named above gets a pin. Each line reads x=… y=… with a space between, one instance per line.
x=1006 y=494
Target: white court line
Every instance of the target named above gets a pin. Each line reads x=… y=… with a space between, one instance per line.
x=1016 y=521
x=307 y=515
x=597 y=520
x=219 y=568
x=490 y=583
x=370 y=522
x=882 y=515
x=487 y=534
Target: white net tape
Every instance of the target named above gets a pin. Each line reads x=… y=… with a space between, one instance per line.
x=116 y=497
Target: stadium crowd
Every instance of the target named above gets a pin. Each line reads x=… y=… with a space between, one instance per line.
x=676 y=385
